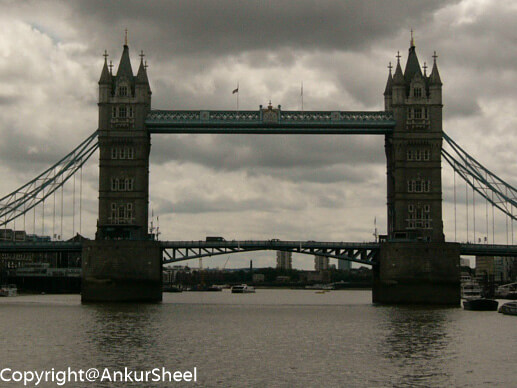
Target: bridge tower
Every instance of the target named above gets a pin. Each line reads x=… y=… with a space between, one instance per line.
x=124 y=146
x=123 y=264
x=416 y=265
x=413 y=152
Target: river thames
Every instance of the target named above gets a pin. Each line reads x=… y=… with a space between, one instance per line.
x=273 y=338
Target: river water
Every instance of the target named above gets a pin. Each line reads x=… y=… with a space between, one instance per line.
x=273 y=338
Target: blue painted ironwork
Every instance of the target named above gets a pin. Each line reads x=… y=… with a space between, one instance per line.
x=488 y=250
x=270 y=121
x=23 y=199
x=40 y=246
x=364 y=253
x=496 y=191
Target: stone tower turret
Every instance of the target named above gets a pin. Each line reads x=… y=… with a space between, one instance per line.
x=124 y=146
x=413 y=153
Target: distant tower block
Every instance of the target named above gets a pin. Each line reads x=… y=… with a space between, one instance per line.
x=284 y=260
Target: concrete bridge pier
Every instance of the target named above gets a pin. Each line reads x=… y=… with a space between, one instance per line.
x=121 y=271
x=417 y=273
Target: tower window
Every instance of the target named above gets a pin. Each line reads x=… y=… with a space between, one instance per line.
x=130 y=111
x=418 y=113
x=418 y=216
x=122 y=184
x=417 y=92
x=122 y=91
x=113 y=211
x=418 y=186
x=122 y=111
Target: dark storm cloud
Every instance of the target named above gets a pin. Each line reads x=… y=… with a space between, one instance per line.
x=225 y=27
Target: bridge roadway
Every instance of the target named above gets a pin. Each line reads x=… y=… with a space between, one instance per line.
x=175 y=251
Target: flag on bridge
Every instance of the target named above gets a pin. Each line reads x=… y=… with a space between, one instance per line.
x=236 y=90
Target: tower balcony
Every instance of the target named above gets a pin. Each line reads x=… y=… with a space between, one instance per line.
x=123 y=122
x=418 y=124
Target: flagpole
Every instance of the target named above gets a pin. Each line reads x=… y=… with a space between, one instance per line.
x=302 y=96
x=237 y=96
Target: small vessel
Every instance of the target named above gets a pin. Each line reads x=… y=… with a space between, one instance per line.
x=507 y=291
x=509 y=308
x=480 y=304
x=242 y=289
x=214 y=288
x=470 y=290
x=8 y=290
x=172 y=288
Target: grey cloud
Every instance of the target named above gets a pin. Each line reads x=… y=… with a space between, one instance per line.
x=225 y=27
x=238 y=152
x=197 y=203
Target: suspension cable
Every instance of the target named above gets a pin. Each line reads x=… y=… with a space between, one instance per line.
x=455 y=240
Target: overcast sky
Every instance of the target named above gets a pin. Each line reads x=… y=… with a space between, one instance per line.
x=250 y=187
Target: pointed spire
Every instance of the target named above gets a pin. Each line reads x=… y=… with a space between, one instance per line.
x=389 y=83
x=398 y=78
x=124 y=67
x=434 y=78
x=412 y=41
x=105 y=74
x=412 y=65
x=141 y=77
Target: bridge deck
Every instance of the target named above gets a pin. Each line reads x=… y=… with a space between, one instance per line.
x=488 y=250
x=270 y=121
x=193 y=249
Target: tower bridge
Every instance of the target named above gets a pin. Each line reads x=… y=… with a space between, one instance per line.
x=412 y=264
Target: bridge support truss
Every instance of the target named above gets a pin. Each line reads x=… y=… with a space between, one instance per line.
x=363 y=253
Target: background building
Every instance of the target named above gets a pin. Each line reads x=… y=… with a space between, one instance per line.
x=500 y=269
x=344 y=265
x=284 y=260
x=321 y=263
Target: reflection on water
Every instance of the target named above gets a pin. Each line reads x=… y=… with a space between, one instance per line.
x=274 y=338
x=417 y=344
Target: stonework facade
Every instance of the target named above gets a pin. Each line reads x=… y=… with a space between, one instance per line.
x=124 y=146
x=413 y=152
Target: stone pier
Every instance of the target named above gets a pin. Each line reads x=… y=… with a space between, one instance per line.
x=121 y=271
x=417 y=273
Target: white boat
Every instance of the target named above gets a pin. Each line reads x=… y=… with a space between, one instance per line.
x=8 y=290
x=507 y=291
x=243 y=289
x=470 y=290
x=509 y=308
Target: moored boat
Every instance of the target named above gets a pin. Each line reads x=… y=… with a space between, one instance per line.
x=507 y=291
x=509 y=308
x=470 y=290
x=242 y=289
x=8 y=290
x=480 y=304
